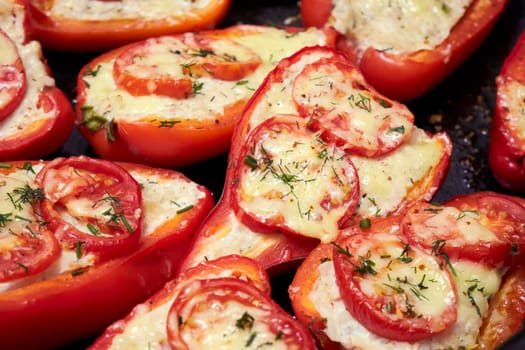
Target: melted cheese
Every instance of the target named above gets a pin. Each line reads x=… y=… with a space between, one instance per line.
x=12 y=22
x=512 y=96
x=385 y=181
x=397 y=26
x=145 y=330
x=215 y=94
x=214 y=327
x=235 y=238
x=163 y=198
x=342 y=327
x=104 y=10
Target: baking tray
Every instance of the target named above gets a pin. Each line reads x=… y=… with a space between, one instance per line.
x=461 y=105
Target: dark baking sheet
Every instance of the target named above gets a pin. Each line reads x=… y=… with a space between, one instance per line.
x=461 y=105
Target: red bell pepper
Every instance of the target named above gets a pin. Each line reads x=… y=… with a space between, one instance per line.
x=340 y=291
x=82 y=290
x=101 y=25
x=36 y=117
x=217 y=304
x=507 y=137
x=407 y=76
x=179 y=106
x=290 y=181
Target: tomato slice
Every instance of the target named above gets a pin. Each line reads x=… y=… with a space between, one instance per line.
x=12 y=76
x=92 y=205
x=393 y=289
x=349 y=112
x=293 y=181
x=502 y=214
x=457 y=233
x=26 y=245
x=232 y=265
x=231 y=313
x=170 y=65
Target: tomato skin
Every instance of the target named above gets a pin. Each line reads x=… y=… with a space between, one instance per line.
x=68 y=34
x=507 y=146
x=406 y=77
x=106 y=291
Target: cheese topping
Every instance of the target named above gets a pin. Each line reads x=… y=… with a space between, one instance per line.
x=214 y=327
x=104 y=10
x=397 y=26
x=146 y=329
x=512 y=97
x=235 y=238
x=474 y=282
x=214 y=94
x=163 y=199
x=14 y=214
x=37 y=75
x=8 y=50
x=386 y=181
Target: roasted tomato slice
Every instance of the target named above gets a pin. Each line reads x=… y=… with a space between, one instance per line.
x=170 y=65
x=503 y=214
x=232 y=265
x=459 y=234
x=93 y=205
x=231 y=313
x=293 y=181
x=393 y=289
x=349 y=112
x=26 y=245
x=12 y=76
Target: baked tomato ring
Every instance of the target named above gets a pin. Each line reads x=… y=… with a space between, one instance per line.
x=12 y=76
x=290 y=180
x=234 y=312
x=233 y=265
x=92 y=205
x=503 y=214
x=458 y=233
x=349 y=112
x=174 y=63
x=26 y=245
x=393 y=289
